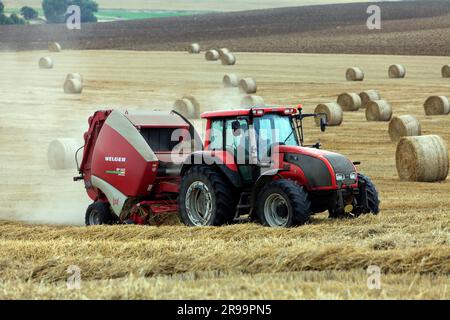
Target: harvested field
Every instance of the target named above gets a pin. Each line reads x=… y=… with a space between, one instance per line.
x=409 y=241
x=338 y=28
x=194 y=263
x=295 y=285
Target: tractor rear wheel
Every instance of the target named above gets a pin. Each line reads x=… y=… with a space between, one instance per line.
x=99 y=213
x=206 y=198
x=283 y=203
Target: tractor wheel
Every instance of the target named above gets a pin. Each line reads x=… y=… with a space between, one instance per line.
x=373 y=203
x=99 y=213
x=283 y=203
x=205 y=198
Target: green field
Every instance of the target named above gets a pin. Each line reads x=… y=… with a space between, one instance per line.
x=120 y=14
x=125 y=14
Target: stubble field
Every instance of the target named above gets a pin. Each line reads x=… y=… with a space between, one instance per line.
x=409 y=240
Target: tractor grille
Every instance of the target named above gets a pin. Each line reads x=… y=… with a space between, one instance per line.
x=342 y=165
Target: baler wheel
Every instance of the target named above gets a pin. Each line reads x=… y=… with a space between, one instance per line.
x=99 y=213
x=283 y=203
x=206 y=198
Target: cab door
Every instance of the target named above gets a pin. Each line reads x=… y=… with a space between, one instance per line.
x=237 y=141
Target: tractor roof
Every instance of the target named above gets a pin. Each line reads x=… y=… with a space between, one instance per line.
x=246 y=112
x=158 y=119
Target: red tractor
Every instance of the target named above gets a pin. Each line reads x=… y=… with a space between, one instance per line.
x=253 y=164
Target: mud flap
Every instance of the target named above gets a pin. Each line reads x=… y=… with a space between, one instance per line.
x=116 y=198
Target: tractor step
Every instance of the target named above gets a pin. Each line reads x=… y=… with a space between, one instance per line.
x=242 y=219
x=244 y=203
x=243 y=206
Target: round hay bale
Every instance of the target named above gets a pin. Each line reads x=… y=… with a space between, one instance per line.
x=378 y=110
x=354 y=74
x=228 y=59
x=349 y=101
x=196 y=105
x=397 y=71
x=54 y=47
x=422 y=159
x=404 y=126
x=194 y=48
x=45 y=63
x=437 y=105
x=251 y=101
x=61 y=153
x=248 y=85
x=231 y=80
x=333 y=111
x=73 y=86
x=74 y=76
x=185 y=107
x=212 y=55
x=445 y=71
x=369 y=95
x=223 y=51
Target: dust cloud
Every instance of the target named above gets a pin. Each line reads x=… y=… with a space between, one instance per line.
x=35 y=111
x=32 y=115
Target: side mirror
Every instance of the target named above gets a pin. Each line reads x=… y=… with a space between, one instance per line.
x=323 y=124
x=236 y=127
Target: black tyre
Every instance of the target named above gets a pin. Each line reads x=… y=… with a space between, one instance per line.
x=206 y=198
x=283 y=203
x=367 y=200
x=99 y=213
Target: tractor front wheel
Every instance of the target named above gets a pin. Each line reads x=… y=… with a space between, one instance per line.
x=99 y=213
x=367 y=201
x=283 y=203
x=206 y=198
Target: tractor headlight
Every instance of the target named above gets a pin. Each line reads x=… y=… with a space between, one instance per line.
x=353 y=176
x=340 y=177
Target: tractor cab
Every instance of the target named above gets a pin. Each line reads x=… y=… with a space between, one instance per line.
x=252 y=136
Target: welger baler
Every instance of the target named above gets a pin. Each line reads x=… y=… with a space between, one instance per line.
x=128 y=156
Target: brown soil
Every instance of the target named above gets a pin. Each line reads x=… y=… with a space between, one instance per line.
x=409 y=27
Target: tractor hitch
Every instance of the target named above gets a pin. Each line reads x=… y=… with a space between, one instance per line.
x=78 y=178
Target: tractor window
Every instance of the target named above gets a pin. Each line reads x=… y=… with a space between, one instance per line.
x=216 y=135
x=273 y=129
x=237 y=141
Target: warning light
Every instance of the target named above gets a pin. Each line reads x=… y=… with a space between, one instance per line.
x=258 y=112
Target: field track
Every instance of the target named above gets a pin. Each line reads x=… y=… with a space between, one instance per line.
x=410 y=240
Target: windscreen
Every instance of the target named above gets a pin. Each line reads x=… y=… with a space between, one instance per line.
x=274 y=129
